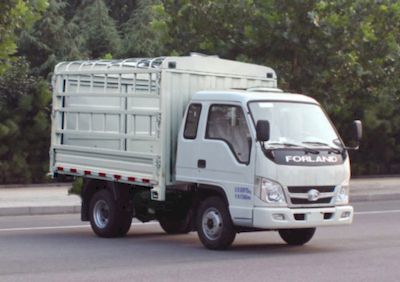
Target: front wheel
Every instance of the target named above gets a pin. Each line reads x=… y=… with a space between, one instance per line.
x=297 y=237
x=106 y=217
x=214 y=224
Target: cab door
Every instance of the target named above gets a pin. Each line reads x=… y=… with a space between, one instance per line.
x=221 y=155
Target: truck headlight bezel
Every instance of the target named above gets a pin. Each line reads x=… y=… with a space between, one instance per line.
x=270 y=192
x=342 y=197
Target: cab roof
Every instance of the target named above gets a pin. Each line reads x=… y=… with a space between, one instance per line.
x=245 y=96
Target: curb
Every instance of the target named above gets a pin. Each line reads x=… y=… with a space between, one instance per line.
x=374 y=197
x=48 y=210
x=42 y=185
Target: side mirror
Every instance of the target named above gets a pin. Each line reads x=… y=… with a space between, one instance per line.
x=262 y=130
x=357 y=130
x=356 y=135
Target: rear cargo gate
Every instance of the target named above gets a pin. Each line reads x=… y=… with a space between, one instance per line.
x=106 y=120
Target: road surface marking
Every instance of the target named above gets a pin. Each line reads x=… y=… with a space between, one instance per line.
x=61 y=227
x=376 y=212
x=43 y=228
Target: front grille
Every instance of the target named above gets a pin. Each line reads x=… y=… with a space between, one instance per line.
x=305 y=189
x=296 y=201
x=298 y=195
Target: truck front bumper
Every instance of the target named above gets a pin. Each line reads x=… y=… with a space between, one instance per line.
x=278 y=218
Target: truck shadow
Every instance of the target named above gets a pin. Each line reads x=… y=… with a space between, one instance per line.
x=280 y=248
x=191 y=242
x=152 y=236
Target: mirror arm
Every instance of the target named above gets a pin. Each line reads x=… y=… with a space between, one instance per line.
x=355 y=148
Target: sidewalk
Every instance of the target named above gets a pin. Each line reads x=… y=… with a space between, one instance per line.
x=51 y=199
x=35 y=199
x=374 y=189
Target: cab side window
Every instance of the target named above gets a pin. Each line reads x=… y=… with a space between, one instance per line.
x=192 y=121
x=227 y=123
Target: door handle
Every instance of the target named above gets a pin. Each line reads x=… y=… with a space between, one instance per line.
x=201 y=163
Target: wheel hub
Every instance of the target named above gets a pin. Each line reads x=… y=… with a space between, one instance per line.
x=101 y=214
x=212 y=224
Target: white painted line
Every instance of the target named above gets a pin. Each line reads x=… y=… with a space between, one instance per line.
x=377 y=212
x=43 y=228
x=61 y=227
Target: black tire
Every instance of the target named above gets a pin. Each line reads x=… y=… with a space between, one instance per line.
x=297 y=237
x=106 y=217
x=214 y=224
x=175 y=226
x=125 y=223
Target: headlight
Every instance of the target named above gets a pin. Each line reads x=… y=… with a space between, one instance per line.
x=269 y=191
x=342 y=197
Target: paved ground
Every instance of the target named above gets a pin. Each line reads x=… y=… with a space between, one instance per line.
x=364 y=189
x=61 y=248
x=54 y=199
x=38 y=199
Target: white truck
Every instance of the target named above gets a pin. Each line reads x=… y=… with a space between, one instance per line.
x=199 y=144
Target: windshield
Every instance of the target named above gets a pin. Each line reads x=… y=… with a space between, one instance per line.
x=295 y=123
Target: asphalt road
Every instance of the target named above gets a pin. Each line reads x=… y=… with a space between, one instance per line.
x=61 y=248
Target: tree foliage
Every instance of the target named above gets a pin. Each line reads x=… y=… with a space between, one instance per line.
x=24 y=125
x=141 y=39
x=121 y=11
x=15 y=15
x=51 y=40
x=97 y=29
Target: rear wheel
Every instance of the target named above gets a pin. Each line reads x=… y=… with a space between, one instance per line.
x=297 y=237
x=214 y=224
x=106 y=217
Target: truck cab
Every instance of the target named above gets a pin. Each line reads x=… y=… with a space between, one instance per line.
x=275 y=158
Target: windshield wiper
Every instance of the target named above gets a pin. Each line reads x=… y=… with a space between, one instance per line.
x=287 y=144
x=331 y=149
